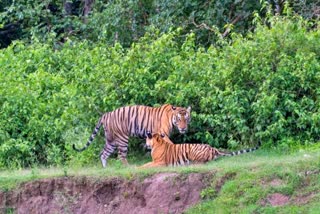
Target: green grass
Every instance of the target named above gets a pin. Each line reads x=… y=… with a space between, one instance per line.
x=247 y=190
x=10 y=179
x=239 y=184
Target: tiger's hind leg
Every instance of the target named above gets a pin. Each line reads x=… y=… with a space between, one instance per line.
x=122 y=151
x=108 y=149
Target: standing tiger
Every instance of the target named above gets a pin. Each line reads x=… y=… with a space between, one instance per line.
x=135 y=120
x=164 y=153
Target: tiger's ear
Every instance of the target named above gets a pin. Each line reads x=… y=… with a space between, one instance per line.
x=162 y=135
x=173 y=107
x=189 y=109
x=149 y=135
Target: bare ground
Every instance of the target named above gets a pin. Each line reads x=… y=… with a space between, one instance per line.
x=160 y=193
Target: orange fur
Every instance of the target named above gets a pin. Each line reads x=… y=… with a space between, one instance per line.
x=135 y=121
x=166 y=154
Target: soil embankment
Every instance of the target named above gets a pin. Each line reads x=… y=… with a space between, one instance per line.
x=160 y=193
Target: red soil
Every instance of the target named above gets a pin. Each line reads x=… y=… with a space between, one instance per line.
x=160 y=193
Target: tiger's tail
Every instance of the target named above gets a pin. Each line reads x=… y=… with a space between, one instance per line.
x=239 y=152
x=95 y=132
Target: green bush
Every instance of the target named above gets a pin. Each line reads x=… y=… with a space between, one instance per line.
x=261 y=87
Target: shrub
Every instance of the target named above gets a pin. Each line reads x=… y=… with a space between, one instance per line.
x=260 y=87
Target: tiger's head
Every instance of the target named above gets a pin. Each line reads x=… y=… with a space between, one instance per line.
x=158 y=143
x=181 y=118
x=153 y=139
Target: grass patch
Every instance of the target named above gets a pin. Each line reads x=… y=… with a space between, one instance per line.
x=10 y=179
x=239 y=184
x=258 y=176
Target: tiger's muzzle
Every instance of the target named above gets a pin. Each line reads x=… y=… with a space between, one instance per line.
x=148 y=148
x=183 y=130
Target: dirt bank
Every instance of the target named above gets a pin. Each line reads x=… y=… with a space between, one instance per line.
x=160 y=193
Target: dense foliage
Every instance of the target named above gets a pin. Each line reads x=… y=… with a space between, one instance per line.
x=264 y=86
x=126 y=21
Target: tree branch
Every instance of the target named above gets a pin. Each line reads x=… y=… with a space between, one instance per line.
x=9 y=28
x=233 y=22
x=87 y=8
x=202 y=25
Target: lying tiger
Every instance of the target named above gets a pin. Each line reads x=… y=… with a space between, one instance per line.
x=164 y=153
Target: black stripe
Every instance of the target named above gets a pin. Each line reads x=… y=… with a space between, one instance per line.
x=141 y=127
x=148 y=120
x=136 y=122
x=131 y=123
x=128 y=115
x=161 y=110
